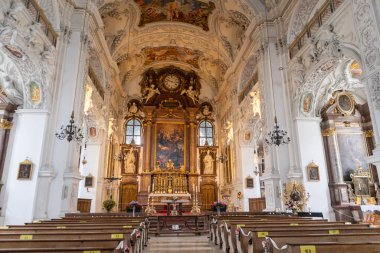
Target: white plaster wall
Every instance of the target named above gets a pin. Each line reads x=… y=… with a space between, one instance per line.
x=92 y=167
x=26 y=140
x=311 y=149
x=248 y=168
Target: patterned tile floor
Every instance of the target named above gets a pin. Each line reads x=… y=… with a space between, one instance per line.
x=183 y=244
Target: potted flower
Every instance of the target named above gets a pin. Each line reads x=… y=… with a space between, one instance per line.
x=219 y=206
x=108 y=204
x=134 y=205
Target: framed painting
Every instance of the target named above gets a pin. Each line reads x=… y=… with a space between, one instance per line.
x=361 y=186
x=25 y=170
x=249 y=182
x=88 y=181
x=352 y=152
x=170 y=144
x=313 y=172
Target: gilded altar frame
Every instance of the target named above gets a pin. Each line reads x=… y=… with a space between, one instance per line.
x=361 y=180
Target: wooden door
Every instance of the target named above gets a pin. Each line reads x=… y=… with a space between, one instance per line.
x=256 y=204
x=208 y=196
x=128 y=193
x=84 y=205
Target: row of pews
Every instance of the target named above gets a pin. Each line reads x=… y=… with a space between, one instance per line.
x=251 y=233
x=78 y=233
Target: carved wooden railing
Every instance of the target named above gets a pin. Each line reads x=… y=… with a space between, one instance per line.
x=38 y=15
x=320 y=17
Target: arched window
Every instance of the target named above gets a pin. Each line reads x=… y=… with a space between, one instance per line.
x=206 y=133
x=133 y=132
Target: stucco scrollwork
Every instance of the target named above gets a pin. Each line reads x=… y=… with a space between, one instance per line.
x=374 y=84
x=368 y=32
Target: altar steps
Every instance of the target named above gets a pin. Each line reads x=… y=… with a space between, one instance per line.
x=182 y=229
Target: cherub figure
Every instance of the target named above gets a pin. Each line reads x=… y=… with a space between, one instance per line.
x=150 y=92
x=191 y=93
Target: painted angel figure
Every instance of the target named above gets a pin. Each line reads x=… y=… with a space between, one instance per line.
x=191 y=93
x=150 y=92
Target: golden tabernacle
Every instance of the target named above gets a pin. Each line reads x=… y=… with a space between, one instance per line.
x=168 y=180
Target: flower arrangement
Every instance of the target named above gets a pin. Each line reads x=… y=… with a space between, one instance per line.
x=134 y=204
x=108 y=204
x=219 y=205
x=295 y=196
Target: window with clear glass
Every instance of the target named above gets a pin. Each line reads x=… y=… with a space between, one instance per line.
x=133 y=132
x=206 y=133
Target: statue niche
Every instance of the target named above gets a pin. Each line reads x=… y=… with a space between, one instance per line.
x=130 y=163
x=208 y=161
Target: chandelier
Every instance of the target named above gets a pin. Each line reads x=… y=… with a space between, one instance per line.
x=70 y=131
x=277 y=136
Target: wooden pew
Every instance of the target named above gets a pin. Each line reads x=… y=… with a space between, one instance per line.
x=275 y=244
x=83 y=235
x=228 y=229
x=250 y=239
x=127 y=235
x=218 y=221
x=326 y=247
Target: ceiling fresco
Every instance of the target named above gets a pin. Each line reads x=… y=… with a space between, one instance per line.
x=171 y=53
x=143 y=34
x=193 y=12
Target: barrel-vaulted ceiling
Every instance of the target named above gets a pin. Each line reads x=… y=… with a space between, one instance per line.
x=200 y=35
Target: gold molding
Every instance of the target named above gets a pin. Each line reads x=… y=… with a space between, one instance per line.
x=368 y=134
x=5 y=124
x=329 y=131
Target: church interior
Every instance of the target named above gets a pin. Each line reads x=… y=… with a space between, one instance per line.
x=201 y=117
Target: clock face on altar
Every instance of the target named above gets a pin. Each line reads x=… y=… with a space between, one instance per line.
x=171 y=82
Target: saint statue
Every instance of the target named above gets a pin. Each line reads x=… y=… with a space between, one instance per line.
x=191 y=93
x=208 y=162
x=130 y=161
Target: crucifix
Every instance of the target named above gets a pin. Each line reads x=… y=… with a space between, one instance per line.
x=110 y=180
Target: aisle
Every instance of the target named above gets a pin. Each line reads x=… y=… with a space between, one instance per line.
x=188 y=244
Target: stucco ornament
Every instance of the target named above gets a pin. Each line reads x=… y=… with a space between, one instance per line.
x=369 y=37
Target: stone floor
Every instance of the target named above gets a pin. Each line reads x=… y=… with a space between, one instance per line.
x=182 y=244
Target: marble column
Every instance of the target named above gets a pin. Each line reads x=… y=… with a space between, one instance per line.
x=148 y=161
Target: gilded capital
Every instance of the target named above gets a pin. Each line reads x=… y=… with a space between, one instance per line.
x=5 y=124
x=329 y=131
x=368 y=134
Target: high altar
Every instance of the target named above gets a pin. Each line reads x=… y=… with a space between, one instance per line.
x=168 y=159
